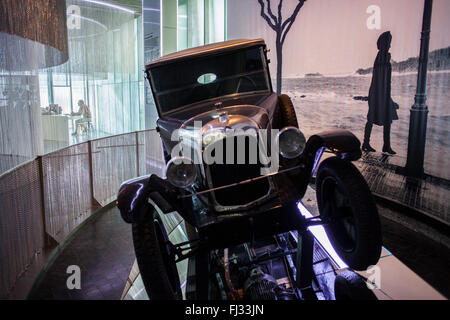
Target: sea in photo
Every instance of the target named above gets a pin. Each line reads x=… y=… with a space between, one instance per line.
x=327 y=102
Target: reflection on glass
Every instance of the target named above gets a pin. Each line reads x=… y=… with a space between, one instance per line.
x=207 y=78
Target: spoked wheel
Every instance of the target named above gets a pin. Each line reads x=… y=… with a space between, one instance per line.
x=346 y=204
x=156 y=263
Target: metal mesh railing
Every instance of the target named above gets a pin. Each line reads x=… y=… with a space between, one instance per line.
x=114 y=160
x=21 y=222
x=67 y=190
x=53 y=194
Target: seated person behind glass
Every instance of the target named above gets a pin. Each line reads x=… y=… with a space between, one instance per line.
x=86 y=117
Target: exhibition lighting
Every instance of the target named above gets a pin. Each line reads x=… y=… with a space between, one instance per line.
x=107 y=4
x=321 y=236
x=85 y=37
x=89 y=19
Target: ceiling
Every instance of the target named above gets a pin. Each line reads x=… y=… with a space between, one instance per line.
x=135 y=5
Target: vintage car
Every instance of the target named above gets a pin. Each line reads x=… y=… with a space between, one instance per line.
x=237 y=166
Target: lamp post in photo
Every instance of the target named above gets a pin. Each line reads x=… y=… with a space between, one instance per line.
x=419 y=111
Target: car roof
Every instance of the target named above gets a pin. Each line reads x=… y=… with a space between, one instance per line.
x=206 y=50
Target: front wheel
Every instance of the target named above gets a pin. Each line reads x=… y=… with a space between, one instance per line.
x=348 y=285
x=156 y=264
x=350 y=213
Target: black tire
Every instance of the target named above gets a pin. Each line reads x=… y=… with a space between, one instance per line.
x=288 y=118
x=344 y=198
x=158 y=269
x=348 y=285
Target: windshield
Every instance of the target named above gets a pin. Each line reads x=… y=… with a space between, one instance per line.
x=189 y=81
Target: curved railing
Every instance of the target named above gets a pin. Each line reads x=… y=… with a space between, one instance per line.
x=43 y=200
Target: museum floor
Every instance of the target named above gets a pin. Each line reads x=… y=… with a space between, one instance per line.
x=103 y=249
x=426 y=257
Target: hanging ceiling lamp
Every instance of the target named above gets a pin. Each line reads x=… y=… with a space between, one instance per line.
x=33 y=34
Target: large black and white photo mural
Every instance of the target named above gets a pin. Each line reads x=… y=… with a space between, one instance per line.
x=353 y=64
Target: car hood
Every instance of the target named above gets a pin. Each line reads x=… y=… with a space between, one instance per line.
x=236 y=117
x=249 y=109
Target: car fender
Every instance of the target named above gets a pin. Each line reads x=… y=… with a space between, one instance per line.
x=132 y=199
x=342 y=142
x=138 y=197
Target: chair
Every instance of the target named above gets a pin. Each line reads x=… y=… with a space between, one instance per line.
x=90 y=126
x=85 y=125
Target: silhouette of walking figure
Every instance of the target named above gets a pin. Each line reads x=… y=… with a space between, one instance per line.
x=382 y=109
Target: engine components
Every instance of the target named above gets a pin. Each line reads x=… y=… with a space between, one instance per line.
x=262 y=286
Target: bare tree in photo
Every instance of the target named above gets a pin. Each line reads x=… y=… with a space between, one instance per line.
x=281 y=28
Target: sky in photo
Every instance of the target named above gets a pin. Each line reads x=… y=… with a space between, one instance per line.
x=331 y=36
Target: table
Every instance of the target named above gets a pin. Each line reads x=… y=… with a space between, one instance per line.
x=56 y=127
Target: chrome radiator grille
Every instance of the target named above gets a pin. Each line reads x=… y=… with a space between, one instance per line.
x=240 y=161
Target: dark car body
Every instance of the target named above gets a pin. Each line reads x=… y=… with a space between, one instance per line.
x=224 y=210
x=237 y=166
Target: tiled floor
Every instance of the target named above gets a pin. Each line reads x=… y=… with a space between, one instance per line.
x=103 y=250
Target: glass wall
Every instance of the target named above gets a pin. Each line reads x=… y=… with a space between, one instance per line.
x=215 y=21
x=152 y=51
x=103 y=74
x=182 y=25
x=200 y=22
x=31 y=38
x=96 y=87
x=104 y=68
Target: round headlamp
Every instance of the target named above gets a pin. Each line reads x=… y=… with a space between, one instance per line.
x=291 y=142
x=181 y=172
